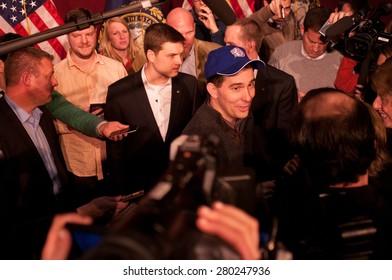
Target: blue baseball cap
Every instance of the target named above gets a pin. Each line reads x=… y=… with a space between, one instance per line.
x=228 y=61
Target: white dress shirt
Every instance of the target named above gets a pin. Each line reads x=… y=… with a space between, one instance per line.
x=159 y=97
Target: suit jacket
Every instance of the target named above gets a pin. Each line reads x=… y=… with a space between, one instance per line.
x=272 y=107
x=139 y=160
x=27 y=201
x=203 y=33
x=202 y=49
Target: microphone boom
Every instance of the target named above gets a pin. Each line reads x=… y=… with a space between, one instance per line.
x=222 y=10
x=73 y=26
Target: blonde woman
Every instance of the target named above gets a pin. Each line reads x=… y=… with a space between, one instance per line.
x=116 y=42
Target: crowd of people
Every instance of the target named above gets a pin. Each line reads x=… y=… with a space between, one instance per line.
x=294 y=112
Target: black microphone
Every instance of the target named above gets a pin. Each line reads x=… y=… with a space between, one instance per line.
x=345 y=23
x=73 y=26
x=222 y=10
x=342 y=25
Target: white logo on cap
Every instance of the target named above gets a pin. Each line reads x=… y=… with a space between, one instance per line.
x=237 y=52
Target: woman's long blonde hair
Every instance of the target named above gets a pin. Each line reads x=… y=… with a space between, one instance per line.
x=106 y=48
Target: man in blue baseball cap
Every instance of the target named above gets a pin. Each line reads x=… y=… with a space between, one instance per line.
x=226 y=112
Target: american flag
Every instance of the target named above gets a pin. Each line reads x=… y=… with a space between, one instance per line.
x=27 y=17
x=242 y=8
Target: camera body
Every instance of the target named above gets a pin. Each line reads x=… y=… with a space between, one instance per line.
x=162 y=225
x=366 y=37
x=368 y=33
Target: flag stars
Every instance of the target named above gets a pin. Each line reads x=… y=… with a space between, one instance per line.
x=3 y=6
x=23 y=12
x=13 y=8
x=33 y=4
x=22 y=2
x=13 y=18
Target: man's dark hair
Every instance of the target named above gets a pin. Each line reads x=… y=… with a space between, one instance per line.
x=217 y=80
x=5 y=38
x=334 y=136
x=159 y=33
x=77 y=14
x=315 y=18
x=18 y=62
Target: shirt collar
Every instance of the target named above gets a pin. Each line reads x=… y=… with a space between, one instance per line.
x=311 y=58
x=22 y=115
x=273 y=24
x=237 y=124
x=71 y=62
x=192 y=51
x=147 y=84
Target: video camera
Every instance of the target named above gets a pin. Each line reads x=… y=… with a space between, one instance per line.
x=362 y=32
x=368 y=33
x=162 y=225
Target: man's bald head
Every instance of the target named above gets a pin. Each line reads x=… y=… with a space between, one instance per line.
x=179 y=15
x=325 y=103
x=181 y=19
x=334 y=136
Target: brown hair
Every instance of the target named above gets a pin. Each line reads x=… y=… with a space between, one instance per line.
x=382 y=79
x=21 y=61
x=77 y=14
x=382 y=155
x=250 y=31
x=315 y=18
x=159 y=33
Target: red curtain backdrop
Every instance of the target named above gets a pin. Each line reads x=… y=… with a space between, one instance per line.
x=96 y=6
x=99 y=5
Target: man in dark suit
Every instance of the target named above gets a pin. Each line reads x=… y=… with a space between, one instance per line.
x=272 y=106
x=30 y=186
x=160 y=101
x=33 y=178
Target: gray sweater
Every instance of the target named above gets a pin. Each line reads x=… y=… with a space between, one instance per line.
x=308 y=73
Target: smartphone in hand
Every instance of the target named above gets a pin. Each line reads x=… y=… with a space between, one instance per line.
x=131 y=129
x=203 y=17
x=126 y=198
x=96 y=106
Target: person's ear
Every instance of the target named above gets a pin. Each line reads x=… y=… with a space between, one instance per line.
x=212 y=91
x=150 y=56
x=26 y=78
x=251 y=45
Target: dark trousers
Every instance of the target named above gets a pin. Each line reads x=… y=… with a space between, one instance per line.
x=88 y=188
